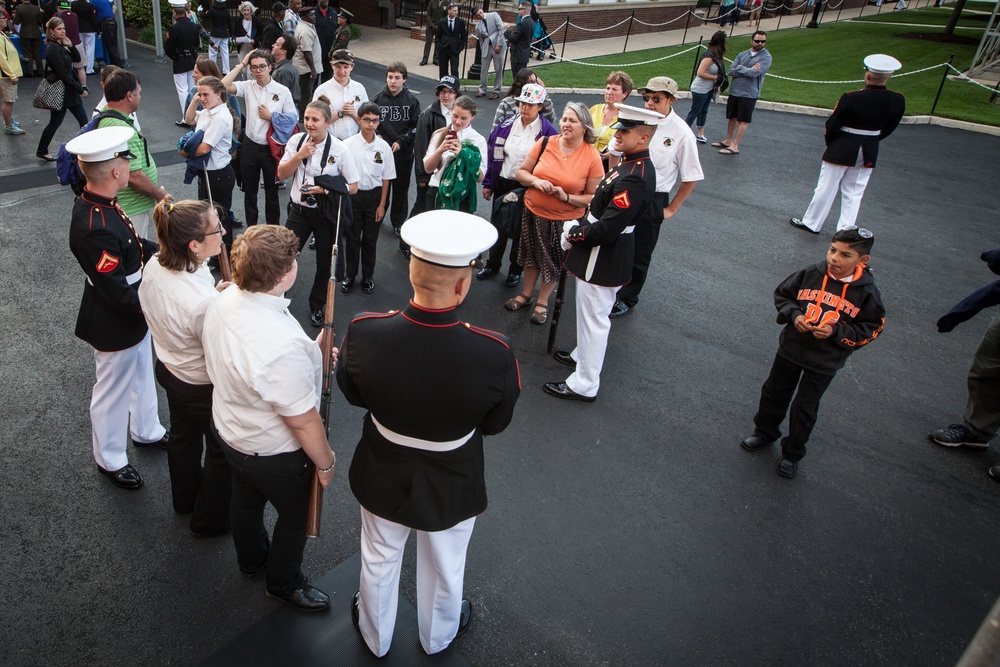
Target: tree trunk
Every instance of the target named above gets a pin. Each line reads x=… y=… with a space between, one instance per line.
x=953 y=21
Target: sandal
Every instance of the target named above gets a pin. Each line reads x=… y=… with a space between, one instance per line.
x=720 y=144
x=518 y=302
x=729 y=151
x=540 y=314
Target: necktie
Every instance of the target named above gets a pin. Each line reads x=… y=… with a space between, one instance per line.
x=451 y=25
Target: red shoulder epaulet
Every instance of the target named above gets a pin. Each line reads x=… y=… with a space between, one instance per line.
x=495 y=335
x=372 y=316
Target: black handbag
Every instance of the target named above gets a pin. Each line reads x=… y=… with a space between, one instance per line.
x=49 y=95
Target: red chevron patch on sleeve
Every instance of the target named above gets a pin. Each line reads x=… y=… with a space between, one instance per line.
x=107 y=263
x=621 y=200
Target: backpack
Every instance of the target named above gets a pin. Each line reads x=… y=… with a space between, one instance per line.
x=67 y=167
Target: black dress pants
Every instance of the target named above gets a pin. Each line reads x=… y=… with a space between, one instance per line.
x=109 y=36
x=504 y=186
x=430 y=203
x=448 y=59
x=775 y=397
x=283 y=480
x=646 y=236
x=220 y=185
x=305 y=221
x=202 y=492
x=399 y=189
x=362 y=237
x=256 y=159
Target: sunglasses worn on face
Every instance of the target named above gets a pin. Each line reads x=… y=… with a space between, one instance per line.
x=656 y=98
x=759 y=41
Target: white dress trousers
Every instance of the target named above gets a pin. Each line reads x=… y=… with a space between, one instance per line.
x=219 y=46
x=183 y=82
x=850 y=181
x=124 y=388
x=88 y=41
x=440 y=581
x=593 y=305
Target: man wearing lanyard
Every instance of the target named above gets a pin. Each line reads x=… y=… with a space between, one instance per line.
x=264 y=97
x=345 y=94
x=861 y=120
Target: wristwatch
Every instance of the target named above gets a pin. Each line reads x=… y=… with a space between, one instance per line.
x=340 y=114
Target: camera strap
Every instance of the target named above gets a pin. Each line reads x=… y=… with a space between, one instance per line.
x=302 y=165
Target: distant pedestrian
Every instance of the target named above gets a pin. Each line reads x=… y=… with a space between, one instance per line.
x=519 y=39
x=327 y=21
x=182 y=46
x=89 y=28
x=10 y=72
x=492 y=49
x=434 y=11
x=747 y=73
x=60 y=56
x=308 y=58
x=861 y=120
x=107 y=17
x=218 y=42
x=451 y=39
x=246 y=29
x=272 y=29
x=343 y=36
x=30 y=23
x=708 y=83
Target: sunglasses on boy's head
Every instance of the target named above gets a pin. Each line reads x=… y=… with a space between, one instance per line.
x=862 y=232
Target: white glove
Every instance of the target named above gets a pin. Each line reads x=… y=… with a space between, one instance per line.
x=564 y=241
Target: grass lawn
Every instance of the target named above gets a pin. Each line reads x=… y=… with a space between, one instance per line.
x=932 y=16
x=832 y=53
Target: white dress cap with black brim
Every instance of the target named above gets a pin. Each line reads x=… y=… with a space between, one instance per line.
x=629 y=117
x=452 y=239
x=104 y=143
x=879 y=63
x=178 y=4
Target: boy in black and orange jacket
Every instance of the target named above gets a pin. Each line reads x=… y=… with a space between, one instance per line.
x=829 y=310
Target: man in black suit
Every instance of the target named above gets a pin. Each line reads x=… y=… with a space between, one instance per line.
x=519 y=39
x=451 y=40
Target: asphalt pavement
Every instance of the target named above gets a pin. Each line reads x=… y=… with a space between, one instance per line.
x=630 y=531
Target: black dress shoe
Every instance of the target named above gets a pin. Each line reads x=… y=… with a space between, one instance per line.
x=463 y=624
x=280 y=185
x=752 y=443
x=162 y=443
x=347 y=285
x=564 y=358
x=395 y=230
x=796 y=222
x=620 y=310
x=356 y=612
x=368 y=285
x=405 y=253
x=787 y=468
x=312 y=242
x=423 y=62
x=303 y=598
x=124 y=478
x=316 y=317
x=560 y=390
x=513 y=279
x=181 y=123
x=486 y=272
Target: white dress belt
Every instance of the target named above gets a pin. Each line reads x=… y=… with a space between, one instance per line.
x=131 y=278
x=417 y=443
x=864 y=133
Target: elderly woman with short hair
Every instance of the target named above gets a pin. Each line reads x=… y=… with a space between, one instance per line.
x=617 y=87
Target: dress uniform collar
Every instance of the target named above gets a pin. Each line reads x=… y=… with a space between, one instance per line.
x=430 y=318
x=872 y=86
x=99 y=200
x=638 y=155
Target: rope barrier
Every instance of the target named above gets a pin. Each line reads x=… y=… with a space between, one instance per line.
x=623 y=66
x=965 y=77
x=916 y=71
x=549 y=35
x=657 y=25
x=580 y=27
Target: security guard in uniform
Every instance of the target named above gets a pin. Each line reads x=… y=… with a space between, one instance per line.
x=861 y=120
x=601 y=251
x=112 y=255
x=183 y=43
x=343 y=36
x=433 y=386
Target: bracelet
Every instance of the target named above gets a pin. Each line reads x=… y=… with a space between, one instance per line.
x=333 y=464
x=567 y=198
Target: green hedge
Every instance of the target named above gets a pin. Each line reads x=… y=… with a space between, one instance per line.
x=139 y=13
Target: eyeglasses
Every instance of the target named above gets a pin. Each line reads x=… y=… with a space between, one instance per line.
x=258 y=68
x=656 y=98
x=862 y=232
x=370 y=121
x=218 y=230
x=759 y=41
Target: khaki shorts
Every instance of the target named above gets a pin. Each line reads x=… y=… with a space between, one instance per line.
x=8 y=89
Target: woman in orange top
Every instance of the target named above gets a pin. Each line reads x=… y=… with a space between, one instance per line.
x=560 y=183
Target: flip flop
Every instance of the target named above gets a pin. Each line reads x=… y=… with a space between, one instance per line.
x=719 y=144
x=729 y=151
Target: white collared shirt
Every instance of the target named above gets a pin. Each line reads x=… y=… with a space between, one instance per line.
x=274 y=96
x=217 y=124
x=519 y=142
x=674 y=152
x=263 y=366
x=339 y=95
x=374 y=161
x=446 y=157
x=174 y=303
x=339 y=161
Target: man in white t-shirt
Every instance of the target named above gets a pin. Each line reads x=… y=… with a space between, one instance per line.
x=308 y=57
x=345 y=94
x=263 y=97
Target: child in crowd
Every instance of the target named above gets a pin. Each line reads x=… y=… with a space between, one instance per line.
x=829 y=310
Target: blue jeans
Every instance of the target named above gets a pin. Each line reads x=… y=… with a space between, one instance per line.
x=699 y=108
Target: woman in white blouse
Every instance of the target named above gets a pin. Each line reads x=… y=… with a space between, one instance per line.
x=445 y=145
x=177 y=288
x=307 y=155
x=216 y=121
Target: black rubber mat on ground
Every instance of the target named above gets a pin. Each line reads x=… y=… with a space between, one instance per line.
x=289 y=637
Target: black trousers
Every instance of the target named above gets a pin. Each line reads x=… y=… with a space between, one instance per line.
x=220 y=184
x=430 y=203
x=55 y=120
x=448 y=58
x=284 y=481
x=399 y=189
x=305 y=221
x=32 y=49
x=362 y=237
x=504 y=186
x=109 y=35
x=306 y=85
x=202 y=492
x=775 y=397
x=516 y=67
x=646 y=236
x=256 y=159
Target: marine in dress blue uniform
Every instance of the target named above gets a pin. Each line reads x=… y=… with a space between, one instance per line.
x=112 y=255
x=601 y=251
x=433 y=386
x=860 y=121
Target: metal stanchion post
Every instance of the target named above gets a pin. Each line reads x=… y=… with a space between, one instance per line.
x=944 y=77
x=814 y=23
x=697 y=57
x=565 y=37
x=686 y=23
x=628 y=31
